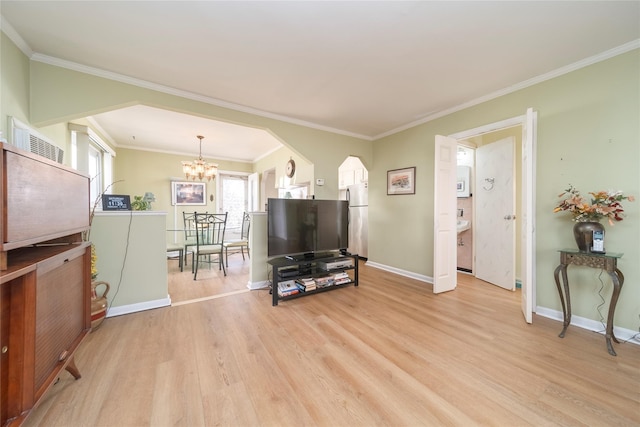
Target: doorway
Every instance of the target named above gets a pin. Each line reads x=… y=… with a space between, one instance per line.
x=444 y=206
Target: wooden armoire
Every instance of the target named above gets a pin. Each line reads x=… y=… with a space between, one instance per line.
x=45 y=276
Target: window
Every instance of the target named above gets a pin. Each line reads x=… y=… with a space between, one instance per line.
x=234 y=201
x=99 y=166
x=95 y=172
x=98 y=159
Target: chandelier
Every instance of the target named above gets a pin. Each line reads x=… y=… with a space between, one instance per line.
x=199 y=168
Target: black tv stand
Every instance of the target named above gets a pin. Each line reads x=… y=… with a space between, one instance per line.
x=329 y=265
x=310 y=256
x=302 y=257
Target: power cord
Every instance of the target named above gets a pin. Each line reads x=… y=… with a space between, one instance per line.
x=270 y=281
x=602 y=303
x=124 y=261
x=633 y=337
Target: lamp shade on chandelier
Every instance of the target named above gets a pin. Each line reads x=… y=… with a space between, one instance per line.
x=199 y=168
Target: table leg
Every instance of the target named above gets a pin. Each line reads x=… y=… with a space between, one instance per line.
x=566 y=307
x=617 y=278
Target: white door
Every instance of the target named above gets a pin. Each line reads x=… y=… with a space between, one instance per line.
x=494 y=223
x=528 y=241
x=444 y=200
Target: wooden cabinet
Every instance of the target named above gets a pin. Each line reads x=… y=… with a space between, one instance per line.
x=44 y=280
x=352 y=176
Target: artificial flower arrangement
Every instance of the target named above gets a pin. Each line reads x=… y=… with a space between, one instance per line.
x=603 y=204
x=94 y=261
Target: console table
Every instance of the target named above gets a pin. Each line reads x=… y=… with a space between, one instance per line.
x=609 y=263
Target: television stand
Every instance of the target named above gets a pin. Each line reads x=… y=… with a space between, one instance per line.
x=310 y=256
x=321 y=274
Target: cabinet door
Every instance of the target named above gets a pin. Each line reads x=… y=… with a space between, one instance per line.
x=15 y=323
x=5 y=298
x=61 y=300
x=358 y=176
x=33 y=186
x=346 y=178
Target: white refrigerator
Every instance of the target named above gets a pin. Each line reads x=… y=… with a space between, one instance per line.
x=358 y=198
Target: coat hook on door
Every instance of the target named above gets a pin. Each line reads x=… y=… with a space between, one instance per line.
x=491 y=184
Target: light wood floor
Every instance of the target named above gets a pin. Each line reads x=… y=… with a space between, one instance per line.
x=387 y=353
x=211 y=281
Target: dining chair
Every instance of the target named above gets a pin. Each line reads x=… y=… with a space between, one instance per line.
x=173 y=248
x=242 y=242
x=189 y=227
x=210 y=230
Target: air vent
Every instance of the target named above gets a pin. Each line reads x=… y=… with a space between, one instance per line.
x=22 y=136
x=40 y=146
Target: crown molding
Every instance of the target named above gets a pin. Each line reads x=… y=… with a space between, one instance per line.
x=24 y=47
x=627 y=47
x=13 y=35
x=183 y=94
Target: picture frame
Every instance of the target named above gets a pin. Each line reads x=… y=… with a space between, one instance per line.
x=401 y=181
x=184 y=193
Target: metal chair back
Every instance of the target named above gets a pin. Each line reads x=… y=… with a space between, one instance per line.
x=210 y=230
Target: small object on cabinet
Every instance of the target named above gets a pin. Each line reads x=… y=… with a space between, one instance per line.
x=598 y=242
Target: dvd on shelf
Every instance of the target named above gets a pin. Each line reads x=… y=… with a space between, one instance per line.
x=306 y=284
x=287 y=288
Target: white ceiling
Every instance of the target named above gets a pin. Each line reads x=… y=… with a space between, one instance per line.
x=356 y=67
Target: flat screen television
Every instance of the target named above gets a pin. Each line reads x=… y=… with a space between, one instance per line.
x=306 y=228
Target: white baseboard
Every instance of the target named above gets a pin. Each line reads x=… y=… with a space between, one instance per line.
x=622 y=334
x=254 y=286
x=404 y=273
x=141 y=306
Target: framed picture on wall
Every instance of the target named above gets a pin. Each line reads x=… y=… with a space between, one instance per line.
x=401 y=181
x=188 y=193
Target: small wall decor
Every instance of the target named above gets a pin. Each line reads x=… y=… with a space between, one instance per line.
x=463 y=174
x=401 y=181
x=188 y=193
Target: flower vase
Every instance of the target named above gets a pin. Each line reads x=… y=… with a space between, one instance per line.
x=98 y=304
x=583 y=233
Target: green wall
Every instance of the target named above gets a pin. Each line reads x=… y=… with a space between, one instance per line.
x=14 y=84
x=60 y=95
x=138 y=172
x=588 y=135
